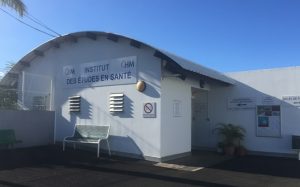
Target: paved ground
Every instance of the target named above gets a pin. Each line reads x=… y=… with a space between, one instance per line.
x=49 y=166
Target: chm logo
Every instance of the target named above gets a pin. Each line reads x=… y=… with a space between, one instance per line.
x=69 y=71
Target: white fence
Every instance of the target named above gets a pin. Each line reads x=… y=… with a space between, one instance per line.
x=35 y=92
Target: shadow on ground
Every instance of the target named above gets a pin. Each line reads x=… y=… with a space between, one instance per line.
x=274 y=166
x=49 y=166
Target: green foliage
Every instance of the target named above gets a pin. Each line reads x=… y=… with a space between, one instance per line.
x=17 y=5
x=230 y=133
x=8 y=99
x=9 y=65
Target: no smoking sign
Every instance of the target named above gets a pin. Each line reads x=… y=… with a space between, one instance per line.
x=149 y=110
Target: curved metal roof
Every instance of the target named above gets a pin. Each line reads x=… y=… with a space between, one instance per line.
x=178 y=64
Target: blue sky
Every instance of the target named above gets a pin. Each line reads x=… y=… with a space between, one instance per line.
x=226 y=35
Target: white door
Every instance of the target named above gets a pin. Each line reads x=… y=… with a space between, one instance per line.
x=201 y=128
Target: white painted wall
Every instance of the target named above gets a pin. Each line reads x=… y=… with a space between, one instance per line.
x=166 y=134
x=274 y=82
x=130 y=132
x=176 y=131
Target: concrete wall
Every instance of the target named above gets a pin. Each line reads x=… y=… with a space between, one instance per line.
x=130 y=132
x=34 y=128
x=258 y=84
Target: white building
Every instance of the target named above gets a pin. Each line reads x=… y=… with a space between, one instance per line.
x=181 y=105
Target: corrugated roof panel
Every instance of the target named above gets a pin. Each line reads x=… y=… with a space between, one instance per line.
x=197 y=68
x=183 y=63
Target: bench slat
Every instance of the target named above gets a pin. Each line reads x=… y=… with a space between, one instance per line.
x=91 y=131
x=82 y=139
x=89 y=134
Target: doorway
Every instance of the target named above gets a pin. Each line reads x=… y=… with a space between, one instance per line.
x=201 y=126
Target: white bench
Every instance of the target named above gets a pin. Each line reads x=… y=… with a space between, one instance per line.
x=89 y=134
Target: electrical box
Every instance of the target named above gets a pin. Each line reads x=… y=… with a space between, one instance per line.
x=295 y=142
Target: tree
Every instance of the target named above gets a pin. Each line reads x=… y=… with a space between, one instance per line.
x=17 y=5
x=8 y=66
x=8 y=98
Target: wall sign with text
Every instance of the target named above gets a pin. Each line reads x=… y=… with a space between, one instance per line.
x=101 y=73
x=241 y=103
x=270 y=100
x=268 y=121
x=292 y=100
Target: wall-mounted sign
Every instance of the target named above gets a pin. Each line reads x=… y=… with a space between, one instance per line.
x=101 y=73
x=269 y=100
x=268 y=121
x=177 y=108
x=149 y=110
x=241 y=103
x=292 y=100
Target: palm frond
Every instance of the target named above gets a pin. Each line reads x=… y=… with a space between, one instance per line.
x=17 y=5
x=230 y=133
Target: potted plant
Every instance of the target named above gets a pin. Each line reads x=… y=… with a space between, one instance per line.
x=241 y=150
x=231 y=134
x=220 y=147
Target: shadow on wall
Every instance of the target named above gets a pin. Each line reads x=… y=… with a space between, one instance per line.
x=154 y=85
x=128 y=109
x=86 y=111
x=123 y=138
x=151 y=91
x=258 y=123
x=126 y=145
x=120 y=144
x=130 y=148
x=118 y=128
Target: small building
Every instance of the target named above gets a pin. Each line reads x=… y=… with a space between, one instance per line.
x=159 y=106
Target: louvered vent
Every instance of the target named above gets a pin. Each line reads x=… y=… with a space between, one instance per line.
x=74 y=103
x=116 y=102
